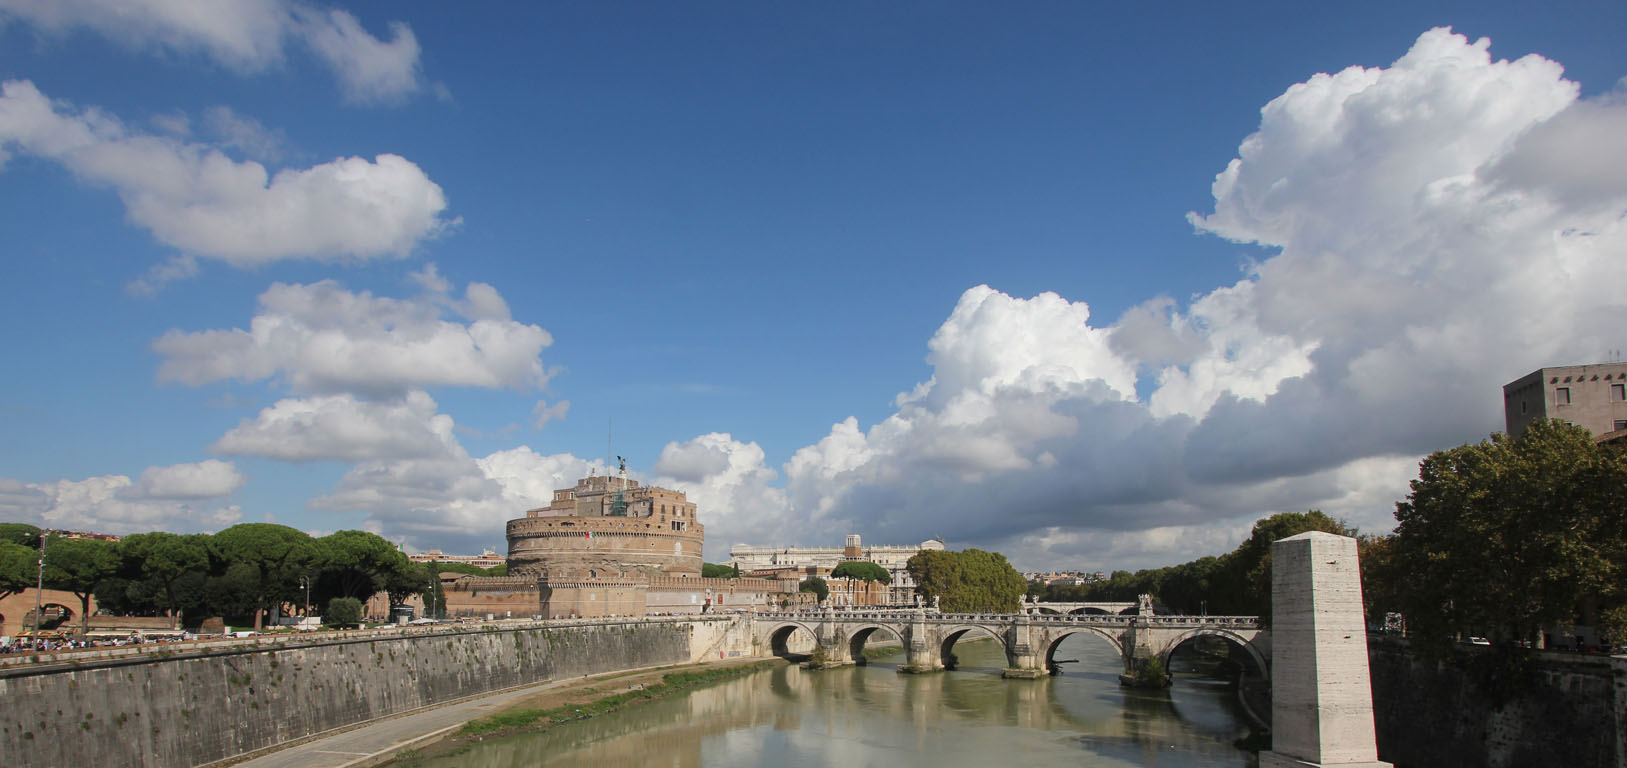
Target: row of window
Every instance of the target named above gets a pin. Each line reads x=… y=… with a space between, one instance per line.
x=1618 y=394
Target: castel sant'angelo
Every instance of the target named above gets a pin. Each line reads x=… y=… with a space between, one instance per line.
x=608 y=547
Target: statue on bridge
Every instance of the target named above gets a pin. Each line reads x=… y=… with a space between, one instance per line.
x=1144 y=606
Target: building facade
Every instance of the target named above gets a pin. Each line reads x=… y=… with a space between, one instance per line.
x=822 y=559
x=1593 y=397
x=608 y=546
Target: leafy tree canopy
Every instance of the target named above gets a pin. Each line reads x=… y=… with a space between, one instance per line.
x=278 y=556
x=18 y=568
x=77 y=566
x=1511 y=535
x=21 y=534
x=970 y=580
x=357 y=563
x=815 y=585
x=716 y=571
x=863 y=570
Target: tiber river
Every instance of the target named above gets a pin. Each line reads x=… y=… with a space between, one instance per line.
x=873 y=716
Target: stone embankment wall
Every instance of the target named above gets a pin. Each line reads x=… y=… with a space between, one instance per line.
x=199 y=707
x=1470 y=711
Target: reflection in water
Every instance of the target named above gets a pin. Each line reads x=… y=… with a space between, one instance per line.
x=871 y=715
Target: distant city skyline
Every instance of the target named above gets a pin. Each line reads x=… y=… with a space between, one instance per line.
x=1095 y=287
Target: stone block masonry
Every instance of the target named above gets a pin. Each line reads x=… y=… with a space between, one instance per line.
x=197 y=708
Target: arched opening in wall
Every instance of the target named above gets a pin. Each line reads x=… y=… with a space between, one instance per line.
x=1217 y=655
x=52 y=616
x=1048 y=611
x=1216 y=659
x=1095 y=650
x=856 y=643
x=1089 y=611
x=792 y=642
x=983 y=648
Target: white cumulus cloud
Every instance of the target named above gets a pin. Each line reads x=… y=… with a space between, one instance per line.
x=193 y=197
x=322 y=338
x=180 y=497
x=1441 y=226
x=342 y=428
x=248 y=36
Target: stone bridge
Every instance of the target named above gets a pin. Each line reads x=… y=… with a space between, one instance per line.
x=1030 y=640
x=1049 y=607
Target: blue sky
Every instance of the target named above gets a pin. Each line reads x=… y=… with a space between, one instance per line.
x=400 y=267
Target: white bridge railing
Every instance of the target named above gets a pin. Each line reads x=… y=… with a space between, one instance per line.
x=1091 y=620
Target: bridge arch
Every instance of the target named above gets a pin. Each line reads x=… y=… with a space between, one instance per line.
x=953 y=634
x=1063 y=634
x=1236 y=641
x=779 y=638
x=861 y=635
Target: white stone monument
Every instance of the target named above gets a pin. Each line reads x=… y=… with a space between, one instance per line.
x=1321 y=693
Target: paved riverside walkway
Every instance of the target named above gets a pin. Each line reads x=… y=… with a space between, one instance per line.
x=376 y=742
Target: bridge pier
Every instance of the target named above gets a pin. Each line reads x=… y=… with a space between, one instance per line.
x=833 y=641
x=1025 y=653
x=921 y=650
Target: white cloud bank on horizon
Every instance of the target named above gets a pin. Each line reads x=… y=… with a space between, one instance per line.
x=1443 y=226
x=247 y=36
x=179 y=498
x=195 y=198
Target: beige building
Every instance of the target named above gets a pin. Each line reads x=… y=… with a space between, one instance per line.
x=1593 y=397
x=891 y=557
x=608 y=546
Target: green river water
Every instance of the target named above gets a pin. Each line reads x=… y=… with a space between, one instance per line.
x=872 y=716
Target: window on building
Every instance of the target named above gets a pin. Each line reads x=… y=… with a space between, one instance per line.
x=1618 y=392
x=1562 y=396
x=1621 y=424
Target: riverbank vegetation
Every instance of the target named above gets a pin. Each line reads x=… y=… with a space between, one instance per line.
x=592 y=701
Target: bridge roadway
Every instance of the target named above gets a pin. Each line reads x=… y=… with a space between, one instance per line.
x=1029 y=640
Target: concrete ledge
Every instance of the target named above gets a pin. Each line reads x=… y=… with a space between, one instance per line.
x=1025 y=674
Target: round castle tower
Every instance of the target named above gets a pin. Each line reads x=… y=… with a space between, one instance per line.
x=607 y=527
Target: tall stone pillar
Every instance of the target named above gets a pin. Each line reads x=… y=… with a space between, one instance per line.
x=1321 y=693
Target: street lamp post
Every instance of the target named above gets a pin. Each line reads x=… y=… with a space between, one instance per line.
x=429 y=599
x=39 y=590
x=306 y=582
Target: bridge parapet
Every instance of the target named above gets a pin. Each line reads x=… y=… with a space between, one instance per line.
x=1029 y=639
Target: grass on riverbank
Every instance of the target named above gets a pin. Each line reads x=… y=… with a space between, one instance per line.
x=670 y=684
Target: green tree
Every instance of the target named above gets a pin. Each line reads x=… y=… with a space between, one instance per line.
x=357 y=563
x=164 y=571
x=1511 y=535
x=863 y=570
x=1246 y=588
x=970 y=580
x=408 y=578
x=21 y=534
x=77 y=566
x=343 y=612
x=716 y=571
x=815 y=585
x=18 y=568
x=262 y=564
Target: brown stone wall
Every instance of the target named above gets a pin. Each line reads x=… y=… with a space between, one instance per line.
x=601 y=547
x=592 y=599
x=1476 y=709
x=501 y=597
